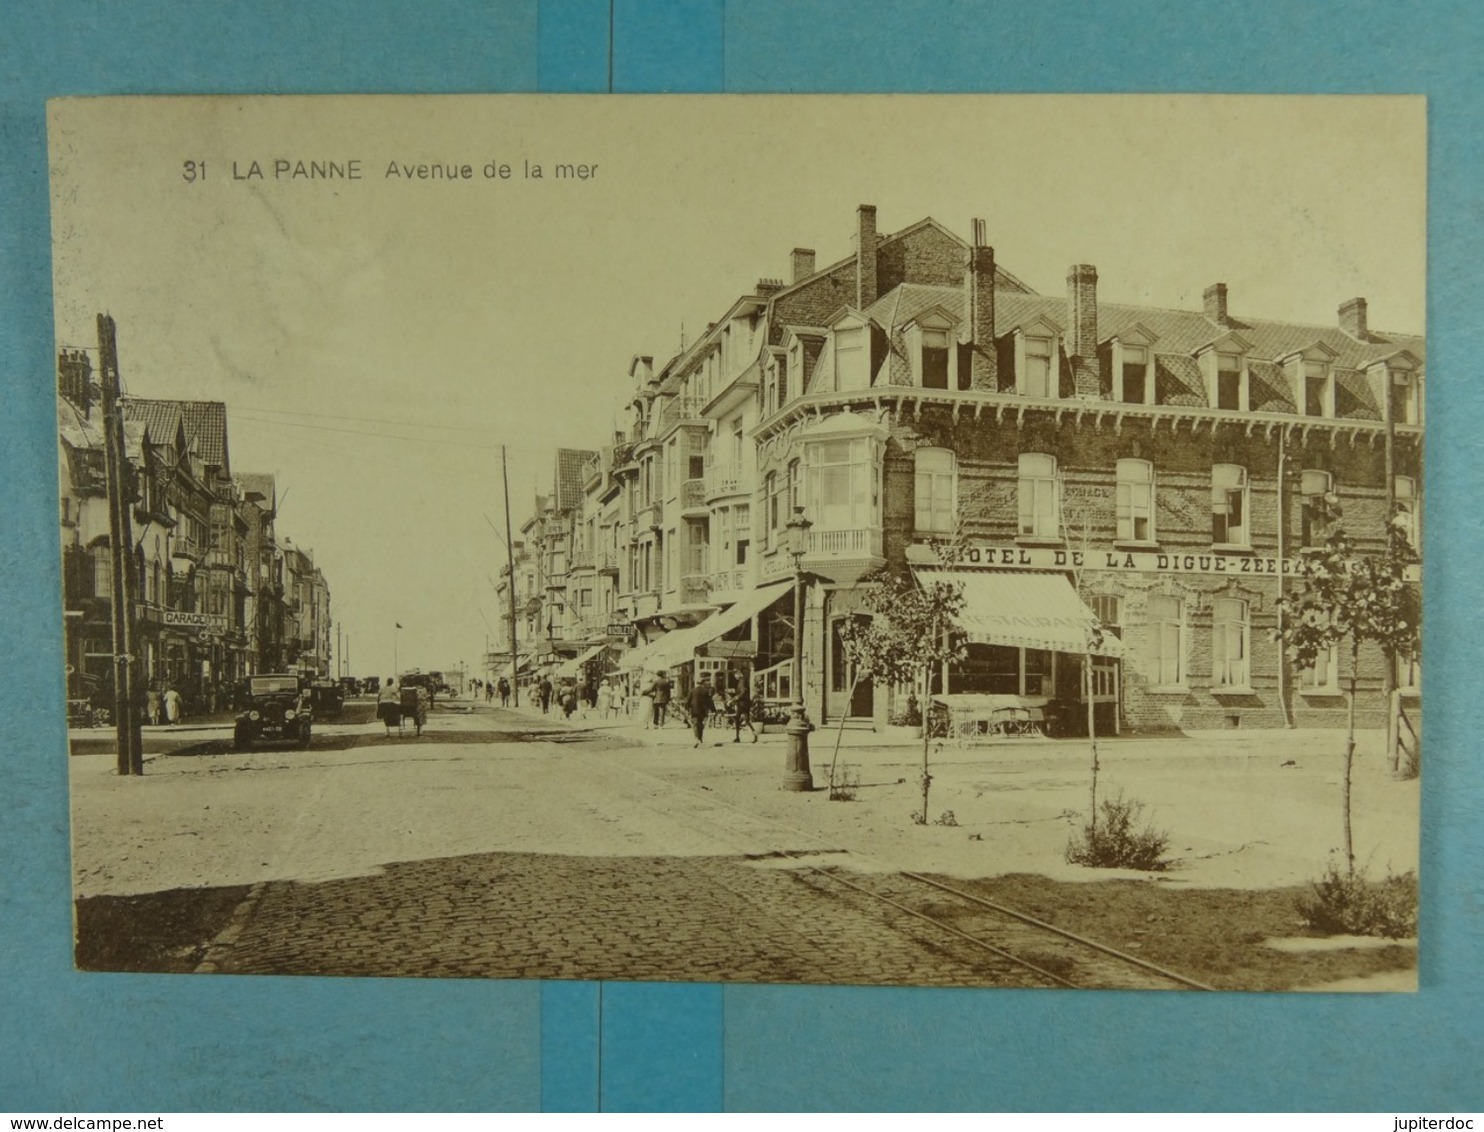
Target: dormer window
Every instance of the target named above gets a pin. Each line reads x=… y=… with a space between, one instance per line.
x=1319 y=390
x=850 y=357
x=1136 y=387
x=1406 y=403
x=1036 y=376
x=1231 y=382
x=934 y=359
x=931 y=346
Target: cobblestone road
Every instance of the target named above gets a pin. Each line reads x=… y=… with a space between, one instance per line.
x=510 y=915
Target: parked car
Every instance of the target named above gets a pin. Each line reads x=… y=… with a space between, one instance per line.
x=276 y=706
x=327 y=698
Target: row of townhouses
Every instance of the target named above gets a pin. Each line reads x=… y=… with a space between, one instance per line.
x=1158 y=470
x=220 y=595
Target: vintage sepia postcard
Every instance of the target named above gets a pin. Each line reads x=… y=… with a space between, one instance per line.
x=896 y=540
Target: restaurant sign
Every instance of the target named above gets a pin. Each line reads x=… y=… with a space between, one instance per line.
x=1132 y=561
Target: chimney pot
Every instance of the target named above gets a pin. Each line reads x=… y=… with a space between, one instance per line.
x=1353 y=318
x=1216 y=303
x=802 y=263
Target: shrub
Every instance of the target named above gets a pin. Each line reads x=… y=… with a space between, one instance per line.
x=1349 y=904
x=843 y=788
x=947 y=818
x=909 y=715
x=1115 y=843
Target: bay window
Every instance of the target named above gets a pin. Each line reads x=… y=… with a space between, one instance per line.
x=842 y=484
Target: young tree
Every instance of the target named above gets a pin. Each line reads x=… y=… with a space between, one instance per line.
x=912 y=632
x=1349 y=598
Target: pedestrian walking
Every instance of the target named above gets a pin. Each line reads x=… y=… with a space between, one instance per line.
x=504 y=692
x=580 y=695
x=740 y=697
x=702 y=704
x=172 y=705
x=546 y=690
x=568 y=700
x=152 y=706
x=659 y=696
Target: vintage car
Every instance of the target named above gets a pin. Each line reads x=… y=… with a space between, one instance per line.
x=277 y=706
x=327 y=698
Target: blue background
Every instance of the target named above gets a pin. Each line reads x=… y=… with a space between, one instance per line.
x=116 y=1042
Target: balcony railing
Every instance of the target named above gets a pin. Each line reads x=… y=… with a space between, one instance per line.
x=693 y=493
x=725 y=581
x=679 y=409
x=721 y=479
x=852 y=540
x=694 y=589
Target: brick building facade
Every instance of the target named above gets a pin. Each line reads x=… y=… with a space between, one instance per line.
x=1167 y=465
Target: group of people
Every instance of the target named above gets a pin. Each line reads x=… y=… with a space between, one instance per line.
x=491 y=689
x=704 y=701
x=163 y=705
x=581 y=694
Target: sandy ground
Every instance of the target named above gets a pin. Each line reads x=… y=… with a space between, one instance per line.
x=1237 y=816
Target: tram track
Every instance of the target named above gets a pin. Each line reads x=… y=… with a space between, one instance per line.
x=984 y=934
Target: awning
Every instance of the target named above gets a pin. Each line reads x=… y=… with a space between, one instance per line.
x=573 y=668
x=679 y=646
x=1026 y=610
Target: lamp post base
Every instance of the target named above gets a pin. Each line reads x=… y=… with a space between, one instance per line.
x=797 y=776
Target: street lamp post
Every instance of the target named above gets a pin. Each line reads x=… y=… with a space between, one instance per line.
x=797 y=775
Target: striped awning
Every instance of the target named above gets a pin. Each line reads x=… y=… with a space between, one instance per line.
x=573 y=668
x=1024 y=609
x=679 y=647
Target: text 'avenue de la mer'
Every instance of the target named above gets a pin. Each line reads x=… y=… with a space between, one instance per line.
x=356 y=169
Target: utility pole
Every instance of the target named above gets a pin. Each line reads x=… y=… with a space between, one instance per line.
x=121 y=542
x=510 y=557
x=339 y=667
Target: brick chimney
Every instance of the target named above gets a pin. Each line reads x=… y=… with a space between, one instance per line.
x=1353 y=319
x=865 y=256
x=75 y=378
x=979 y=287
x=766 y=287
x=1082 y=337
x=803 y=263
x=1216 y=303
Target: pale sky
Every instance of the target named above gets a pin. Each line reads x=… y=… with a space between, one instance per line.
x=376 y=341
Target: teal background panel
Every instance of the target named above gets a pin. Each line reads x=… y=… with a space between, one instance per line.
x=869 y=1048
x=572 y=43
x=662 y=1049
x=94 y=1042
x=571 y=1016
